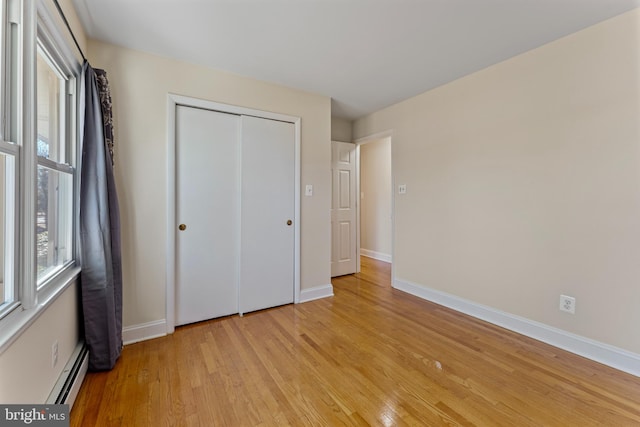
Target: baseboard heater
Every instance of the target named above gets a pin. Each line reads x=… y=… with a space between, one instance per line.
x=68 y=385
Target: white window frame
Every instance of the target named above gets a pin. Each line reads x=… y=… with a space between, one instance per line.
x=37 y=22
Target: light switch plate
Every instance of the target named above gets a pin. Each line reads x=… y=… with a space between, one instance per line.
x=402 y=189
x=308 y=190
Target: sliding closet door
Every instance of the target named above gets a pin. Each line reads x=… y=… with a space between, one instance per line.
x=207 y=214
x=235 y=237
x=268 y=237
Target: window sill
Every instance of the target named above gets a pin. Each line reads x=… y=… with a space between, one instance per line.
x=17 y=322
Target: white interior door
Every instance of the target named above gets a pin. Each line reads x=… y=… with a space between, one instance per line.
x=343 y=209
x=207 y=205
x=268 y=209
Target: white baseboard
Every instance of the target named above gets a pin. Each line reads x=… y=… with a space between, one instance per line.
x=144 y=331
x=375 y=255
x=316 y=292
x=606 y=354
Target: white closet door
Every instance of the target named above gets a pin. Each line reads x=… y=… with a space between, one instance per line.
x=267 y=214
x=207 y=196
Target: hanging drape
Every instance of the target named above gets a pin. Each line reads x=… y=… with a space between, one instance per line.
x=99 y=224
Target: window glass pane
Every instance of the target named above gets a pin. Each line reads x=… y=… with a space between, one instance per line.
x=7 y=209
x=13 y=69
x=49 y=84
x=3 y=56
x=3 y=216
x=53 y=221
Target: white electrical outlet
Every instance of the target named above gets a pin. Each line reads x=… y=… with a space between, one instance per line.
x=54 y=354
x=402 y=189
x=568 y=304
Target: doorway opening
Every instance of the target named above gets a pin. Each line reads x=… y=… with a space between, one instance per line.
x=376 y=199
x=365 y=182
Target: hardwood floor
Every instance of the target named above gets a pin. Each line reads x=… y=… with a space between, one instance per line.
x=371 y=355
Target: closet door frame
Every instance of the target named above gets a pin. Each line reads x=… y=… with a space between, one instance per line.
x=173 y=101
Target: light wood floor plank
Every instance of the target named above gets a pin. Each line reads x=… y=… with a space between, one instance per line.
x=371 y=355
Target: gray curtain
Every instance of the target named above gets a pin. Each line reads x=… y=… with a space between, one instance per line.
x=99 y=225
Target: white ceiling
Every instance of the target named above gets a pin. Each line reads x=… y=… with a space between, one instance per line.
x=364 y=54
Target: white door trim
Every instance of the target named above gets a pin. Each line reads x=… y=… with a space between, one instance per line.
x=173 y=101
x=358 y=207
x=359 y=142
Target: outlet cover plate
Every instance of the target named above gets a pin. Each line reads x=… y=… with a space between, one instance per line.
x=568 y=304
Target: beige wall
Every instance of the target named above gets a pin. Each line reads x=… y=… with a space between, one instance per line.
x=140 y=83
x=25 y=368
x=74 y=22
x=375 y=206
x=524 y=183
x=340 y=129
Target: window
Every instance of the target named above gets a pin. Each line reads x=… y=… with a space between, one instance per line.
x=9 y=152
x=38 y=71
x=54 y=209
x=5 y=294
x=7 y=227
